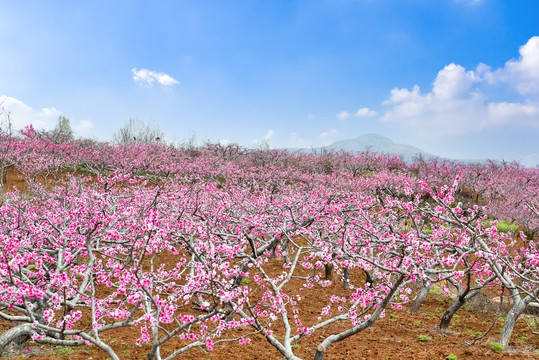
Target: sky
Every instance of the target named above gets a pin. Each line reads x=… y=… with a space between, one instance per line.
x=455 y=78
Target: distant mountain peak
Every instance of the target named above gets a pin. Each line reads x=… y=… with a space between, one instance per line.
x=377 y=143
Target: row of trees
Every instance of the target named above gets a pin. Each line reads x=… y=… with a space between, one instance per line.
x=182 y=244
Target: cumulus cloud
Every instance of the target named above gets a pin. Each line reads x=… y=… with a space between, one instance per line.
x=45 y=118
x=343 y=115
x=329 y=133
x=361 y=112
x=522 y=73
x=365 y=112
x=269 y=135
x=264 y=143
x=22 y=114
x=83 y=126
x=457 y=104
x=148 y=77
x=329 y=136
x=295 y=141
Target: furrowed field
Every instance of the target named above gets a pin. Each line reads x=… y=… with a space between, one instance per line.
x=147 y=251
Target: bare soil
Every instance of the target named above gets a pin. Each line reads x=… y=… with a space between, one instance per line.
x=396 y=336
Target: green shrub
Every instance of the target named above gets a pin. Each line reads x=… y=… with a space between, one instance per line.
x=497 y=346
x=506 y=226
x=503 y=226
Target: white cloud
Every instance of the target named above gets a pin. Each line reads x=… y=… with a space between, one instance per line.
x=523 y=73
x=343 y=115
x=45 y=118
x=503 y=112
x=450 y=108
x=264 y=143
x=225 y=142
x=453 y=82
x=269 y=135
x=22 y=114
x=402 y=95
x=456 y=103
x=83 y=126
x=148 y=77
x=365 y=111
x=327 y=137
x=297 y=142
x=329 y=133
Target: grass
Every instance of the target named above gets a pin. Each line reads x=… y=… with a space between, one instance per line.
x=506 y=226
x=64 y=350
x=503 y=225
x=424 y=338
x=451 y=357
x=82 y=169
x=474 y=333
x=497 y=346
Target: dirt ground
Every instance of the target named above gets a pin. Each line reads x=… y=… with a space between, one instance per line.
x=399 y=335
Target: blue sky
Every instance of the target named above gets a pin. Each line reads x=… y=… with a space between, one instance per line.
x=457 y=78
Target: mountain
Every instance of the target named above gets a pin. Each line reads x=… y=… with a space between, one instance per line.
x=372 y=142
x=380 y=144
x=377 y=143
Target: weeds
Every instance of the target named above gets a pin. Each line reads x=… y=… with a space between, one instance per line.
x=64 y=350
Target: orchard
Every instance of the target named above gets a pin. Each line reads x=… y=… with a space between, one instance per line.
x=192 y=250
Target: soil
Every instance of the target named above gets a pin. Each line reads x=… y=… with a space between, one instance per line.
x=399 y=335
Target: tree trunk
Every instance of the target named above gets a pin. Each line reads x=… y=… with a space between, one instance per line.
x=319 y=353
x=322 y=348
x=19 y=334
x=448 y=314
x=3 y=173
x=461 y=300
x=284 y=248
x=511 y=319
x=346 y=278
x=329 y=271
x=420 y=298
